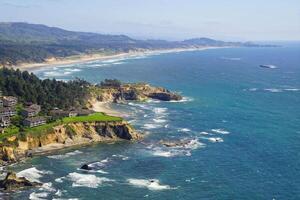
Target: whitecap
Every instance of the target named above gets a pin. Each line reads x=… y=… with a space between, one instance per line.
x=48 y=187
x=63 y=156
x=33 y=174
x=215 y=139
x=160 y=110
x=221 y=131
x=59 y=180
x=184 y=130
x=151 y=184
x=184 y=99
x=151 y=126
x=292 y=89
x=205 y=133
x=159 y=120
x=38 y=196
x=253 y=89
x=193 y=144
x=86 y=180
x=274 y=90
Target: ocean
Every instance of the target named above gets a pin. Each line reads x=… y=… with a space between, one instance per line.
x=241 y=123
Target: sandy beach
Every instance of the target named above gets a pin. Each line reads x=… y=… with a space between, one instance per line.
x=106 y=108
x=77 y=59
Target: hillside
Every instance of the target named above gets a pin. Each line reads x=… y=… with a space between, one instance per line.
x=23 y=42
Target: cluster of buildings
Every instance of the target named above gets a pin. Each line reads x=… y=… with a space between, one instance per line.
x=7 y=110
x=30 y=113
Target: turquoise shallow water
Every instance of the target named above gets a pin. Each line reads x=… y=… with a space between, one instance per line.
x=254 y=113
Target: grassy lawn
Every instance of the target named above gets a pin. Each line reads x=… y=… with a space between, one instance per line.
x=97 y=117
x=13 y=130
x=46 y=128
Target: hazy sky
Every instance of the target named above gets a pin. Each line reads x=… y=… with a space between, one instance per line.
x=166 y=19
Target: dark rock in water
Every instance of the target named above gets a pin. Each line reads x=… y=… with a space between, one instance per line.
x=86 y=167
x=12 y=182
x=165 y=96
x=180 y=143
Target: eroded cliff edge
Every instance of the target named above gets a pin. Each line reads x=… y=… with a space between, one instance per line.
x=15 y=148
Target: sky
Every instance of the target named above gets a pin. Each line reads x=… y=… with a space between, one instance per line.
x=235 y=20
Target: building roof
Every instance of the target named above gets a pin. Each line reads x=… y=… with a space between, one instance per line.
x=10 y=98
x=4 y=119
x=35 y=119
x=7 y=109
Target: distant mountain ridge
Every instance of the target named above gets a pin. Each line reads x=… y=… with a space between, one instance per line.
x=23 y=42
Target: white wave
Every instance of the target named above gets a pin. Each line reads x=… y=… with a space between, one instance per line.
x=48 y=187
x=159 y=120
x=162 y=153
x=160 y=110
x=121 y=156
x=58 y=193
x=151 y=126
x=215 y=139
x=205 y=133
x=184 y=130
x=38 y=196
x=193 y=144
x=151 y=184
x=52 y=74
x=184 y=99
x=166 y=126
x=59 y=180
x=292 y=89
x=101 y=171
x=63 y=156
x=33 y=174
x=231 y=59
x=72 y=70
x=274 y=90
x=86 y=180
x=221 y=131
x=253 y=89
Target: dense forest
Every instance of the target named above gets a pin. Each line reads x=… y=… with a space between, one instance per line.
x=23 y=42
x=48 y=93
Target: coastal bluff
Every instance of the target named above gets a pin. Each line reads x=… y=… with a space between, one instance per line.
x=15 y=148
x=118 y=93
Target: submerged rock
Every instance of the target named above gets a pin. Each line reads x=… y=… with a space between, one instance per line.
x=86 y=167
x=12 y=182
x=179 y=143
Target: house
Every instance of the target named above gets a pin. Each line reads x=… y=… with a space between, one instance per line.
x=31 y=110
x=34 y=121
x=63 y=113
x=7 y=112
x=9 y=101
x=5 y=121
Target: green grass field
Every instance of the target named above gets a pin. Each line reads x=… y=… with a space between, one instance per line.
x=96 y=117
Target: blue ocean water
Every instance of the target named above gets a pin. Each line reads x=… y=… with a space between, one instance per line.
x=241 y=121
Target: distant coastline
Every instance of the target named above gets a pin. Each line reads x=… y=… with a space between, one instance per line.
x=101 y=56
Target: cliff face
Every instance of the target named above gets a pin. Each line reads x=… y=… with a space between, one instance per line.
x=15 y=148
x=136 y=92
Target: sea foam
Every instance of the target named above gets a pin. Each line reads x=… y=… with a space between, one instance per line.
x=33 y=174
x=151 y=184
x=86 y=180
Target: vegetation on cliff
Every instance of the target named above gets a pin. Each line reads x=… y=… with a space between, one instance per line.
x=47 y=93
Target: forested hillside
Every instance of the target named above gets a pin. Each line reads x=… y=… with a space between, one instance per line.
x=48 y=93
x=23 y=42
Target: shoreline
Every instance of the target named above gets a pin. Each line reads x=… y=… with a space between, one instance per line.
x=77 y=59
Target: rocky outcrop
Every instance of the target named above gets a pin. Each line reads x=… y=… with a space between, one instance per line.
x=179 y=143
x=129 y=92
x=14 y=149
x=12 y=182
